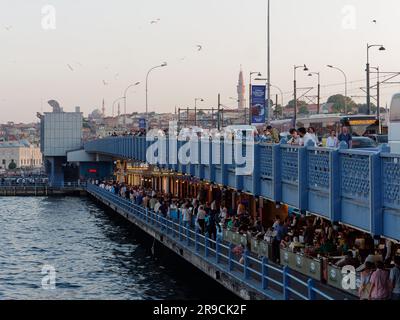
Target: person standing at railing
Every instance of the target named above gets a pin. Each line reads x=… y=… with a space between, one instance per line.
x=295 y=139
x=332 y=141
x=200 y=218
x=305 y=137
x=273 y=133
x=186 y=215
x=346 y=137
x=152 y=202
x=394 y=279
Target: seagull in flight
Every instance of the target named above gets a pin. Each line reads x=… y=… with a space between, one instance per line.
x=8 y=28
x=105 y=83
x=155 y=21
x=70 y=67
x=374 y=21
x=199 y=47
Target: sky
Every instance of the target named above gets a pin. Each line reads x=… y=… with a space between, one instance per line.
x=94 y=49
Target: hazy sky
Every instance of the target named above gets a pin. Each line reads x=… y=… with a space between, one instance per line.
x=115 y=42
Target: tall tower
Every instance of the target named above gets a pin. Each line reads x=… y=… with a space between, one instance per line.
x=241 y=91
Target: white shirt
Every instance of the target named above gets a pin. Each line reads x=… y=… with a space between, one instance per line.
x=308 y=137
x=186 y=214
x=201 y=214
x=332 y=142
x=157 y=207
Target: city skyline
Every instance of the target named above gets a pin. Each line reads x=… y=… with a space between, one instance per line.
x=93 y=56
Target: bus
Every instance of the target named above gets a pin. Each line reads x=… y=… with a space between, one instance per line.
x=394 y=124
x=359 y=125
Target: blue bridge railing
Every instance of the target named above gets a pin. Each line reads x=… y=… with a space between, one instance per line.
x=360 y=188
x=272 y=281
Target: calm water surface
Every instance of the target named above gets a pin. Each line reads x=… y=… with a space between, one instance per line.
x=96 y=255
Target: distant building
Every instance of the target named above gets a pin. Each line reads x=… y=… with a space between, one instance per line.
x=60 y=132
x=22 y=153
x=241 y=91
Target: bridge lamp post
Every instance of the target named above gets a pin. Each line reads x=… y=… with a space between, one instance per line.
x=345 y=86
x=147 y=92
x=304 y=67
x=195 y=109
x=369 y=46
x=125 y=93
x=319 y=88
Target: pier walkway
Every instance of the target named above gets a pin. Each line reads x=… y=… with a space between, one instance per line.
x=256 y=279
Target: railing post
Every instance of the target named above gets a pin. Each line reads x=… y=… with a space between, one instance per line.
x=217 y=249
x=196 y=240
x=206 y=245
x=246 y=264
x=285 y=283
x=180 y=230
x=311 y=292
x=231 y=258
x=188 y=235
x=264 y=273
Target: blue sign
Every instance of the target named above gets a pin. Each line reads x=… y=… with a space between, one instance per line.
x=258 y=109
x=142 y=123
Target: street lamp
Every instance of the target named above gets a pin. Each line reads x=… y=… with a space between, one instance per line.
x=345 y=86
x=295 y=91
x=147 y=91
x=250 y=93
x=113 y=105
x=378 y=99
x=125 y=93
x=369 y=46
x=319 y=88
x=195 y=109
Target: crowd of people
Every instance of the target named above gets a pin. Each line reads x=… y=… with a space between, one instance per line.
x=298 y=137
x=344 y=247
x=311 y=236
x=302 y=136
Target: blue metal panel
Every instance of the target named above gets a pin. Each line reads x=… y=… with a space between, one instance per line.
x=270 y=171
x=391 y=195
x=251 y=182
x=355 y=189
x=181 y=167
x=319 y=181
x=294 y=176
x=207 y=159
x=218 y=152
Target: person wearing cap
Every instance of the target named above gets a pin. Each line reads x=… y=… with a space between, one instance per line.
x=395 y=279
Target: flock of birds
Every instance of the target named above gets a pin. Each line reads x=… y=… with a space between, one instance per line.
x=116 y=76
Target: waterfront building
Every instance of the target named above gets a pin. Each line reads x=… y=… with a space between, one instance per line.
x=60 y=132
x=22 y=153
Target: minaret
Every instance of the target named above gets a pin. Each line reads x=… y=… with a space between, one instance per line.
x=119 y=110
x=241 y=90
x=103 y=110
